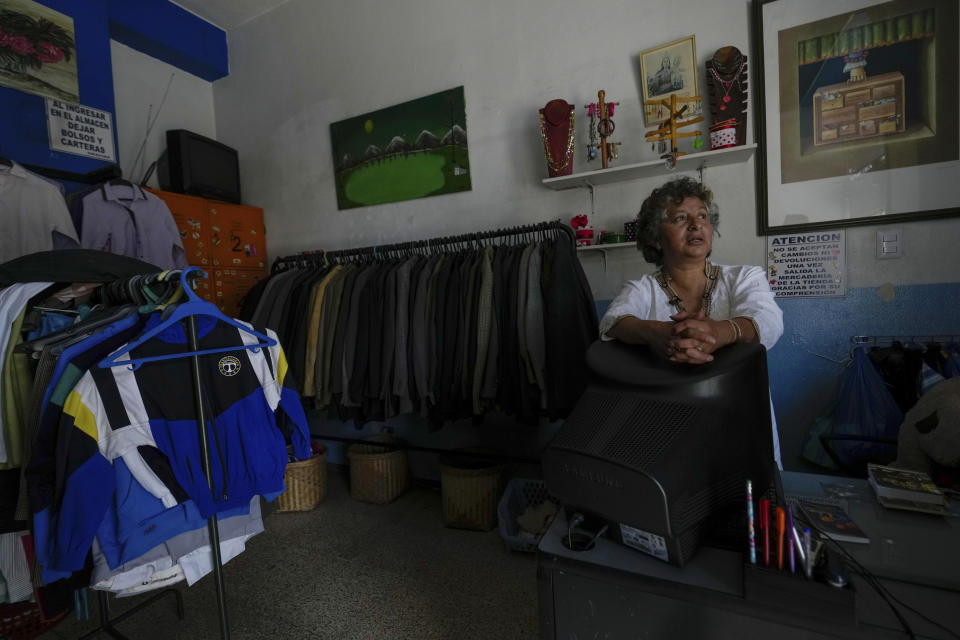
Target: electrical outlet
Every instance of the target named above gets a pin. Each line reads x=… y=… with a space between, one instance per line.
x=888 y=244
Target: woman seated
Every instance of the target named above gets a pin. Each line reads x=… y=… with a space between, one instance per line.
x=690 y=307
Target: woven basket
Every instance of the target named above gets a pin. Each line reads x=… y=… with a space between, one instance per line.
x=378 y=469
x=306 y=482
x=470 y=495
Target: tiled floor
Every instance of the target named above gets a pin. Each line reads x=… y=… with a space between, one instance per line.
x=349 y=570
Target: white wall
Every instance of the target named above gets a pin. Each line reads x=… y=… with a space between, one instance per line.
x=299 y=68
x=306 y=64
x=139 y=86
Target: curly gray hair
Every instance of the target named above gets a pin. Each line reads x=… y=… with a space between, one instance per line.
x=656 y=207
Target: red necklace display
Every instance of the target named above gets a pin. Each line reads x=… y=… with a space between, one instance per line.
x=728 y=84
x=556 y=132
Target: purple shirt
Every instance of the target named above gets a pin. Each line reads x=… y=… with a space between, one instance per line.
x=126 y=220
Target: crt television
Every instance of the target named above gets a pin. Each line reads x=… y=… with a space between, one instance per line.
x=656 y=449
x=198 y=166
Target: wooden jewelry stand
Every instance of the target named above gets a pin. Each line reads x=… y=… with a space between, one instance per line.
x=605 y=128
x=668 y=129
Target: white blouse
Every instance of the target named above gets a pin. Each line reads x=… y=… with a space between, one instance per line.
x=741 y=292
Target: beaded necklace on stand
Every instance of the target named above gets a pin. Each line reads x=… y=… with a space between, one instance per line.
x=712 y=272
x=593 y=147
x=555 y=165
x=721 y=73
x=727 y=85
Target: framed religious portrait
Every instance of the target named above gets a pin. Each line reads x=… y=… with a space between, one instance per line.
x=669 y=69
x=857 y=117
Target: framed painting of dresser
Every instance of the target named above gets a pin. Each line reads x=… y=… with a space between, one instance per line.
x=858 y=113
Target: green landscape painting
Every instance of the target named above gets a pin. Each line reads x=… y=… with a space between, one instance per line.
x=411 y=150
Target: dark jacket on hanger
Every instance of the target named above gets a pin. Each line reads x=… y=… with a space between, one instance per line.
x=570 y=327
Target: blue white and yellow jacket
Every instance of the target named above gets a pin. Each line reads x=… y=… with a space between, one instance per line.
x=147 y=418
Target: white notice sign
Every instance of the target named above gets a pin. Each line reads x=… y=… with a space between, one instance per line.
x=807 y=265
x=80 y=130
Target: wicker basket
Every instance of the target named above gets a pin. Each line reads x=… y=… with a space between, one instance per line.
x=378 y=469
x=306 y=482
x=470 y=494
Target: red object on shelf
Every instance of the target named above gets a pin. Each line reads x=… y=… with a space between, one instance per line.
x=557 y=131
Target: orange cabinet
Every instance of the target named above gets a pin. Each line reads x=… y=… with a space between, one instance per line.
x=193 y=220
x=218 y=234
x=226 y=240
x=232 y=286
x=206 y=289
x=237 y=236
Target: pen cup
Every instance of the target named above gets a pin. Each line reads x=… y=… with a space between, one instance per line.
x=788 y=592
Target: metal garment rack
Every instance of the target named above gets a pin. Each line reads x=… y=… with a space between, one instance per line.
x=107 y=623
x=907 y=341
x=213 y=530
x=93 y=177
x=388 y=251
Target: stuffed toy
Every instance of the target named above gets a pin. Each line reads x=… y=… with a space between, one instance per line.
x=929 y=438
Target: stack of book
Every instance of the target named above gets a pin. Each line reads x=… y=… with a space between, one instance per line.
x=905 y=489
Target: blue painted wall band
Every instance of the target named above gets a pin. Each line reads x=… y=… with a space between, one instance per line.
x=156 y=28
x=166 y=32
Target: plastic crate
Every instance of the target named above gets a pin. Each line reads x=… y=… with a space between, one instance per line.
x=520 y=494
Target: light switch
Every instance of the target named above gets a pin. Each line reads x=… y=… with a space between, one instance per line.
x=888 y=244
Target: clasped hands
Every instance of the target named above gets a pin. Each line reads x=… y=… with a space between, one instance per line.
x=692 y=338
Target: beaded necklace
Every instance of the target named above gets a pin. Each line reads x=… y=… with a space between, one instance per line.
x=712 y=272
x=552 y=164
x=728 y=84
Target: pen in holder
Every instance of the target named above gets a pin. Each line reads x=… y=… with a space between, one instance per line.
x=781 y=530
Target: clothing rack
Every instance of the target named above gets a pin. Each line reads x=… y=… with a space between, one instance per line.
x=107 y=624
x=463 y=453
x=92 y=177
x=421 y=246
x=474 y=240
x=920 y=339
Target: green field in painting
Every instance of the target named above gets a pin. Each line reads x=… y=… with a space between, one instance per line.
x=403 y=178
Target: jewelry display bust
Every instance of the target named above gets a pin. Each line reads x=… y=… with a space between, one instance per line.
x=727 y=78
x=556 y=131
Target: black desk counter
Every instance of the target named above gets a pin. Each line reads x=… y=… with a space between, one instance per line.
x=612 y=591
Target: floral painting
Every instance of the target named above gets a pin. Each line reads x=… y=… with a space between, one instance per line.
x=37 y=50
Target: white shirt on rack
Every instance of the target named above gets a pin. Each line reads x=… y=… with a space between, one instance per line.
x=32 y=210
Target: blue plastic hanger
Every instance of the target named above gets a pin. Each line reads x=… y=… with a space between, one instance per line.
x=193 y=307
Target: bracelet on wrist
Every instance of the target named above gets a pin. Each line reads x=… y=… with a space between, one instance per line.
x=737 y=333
